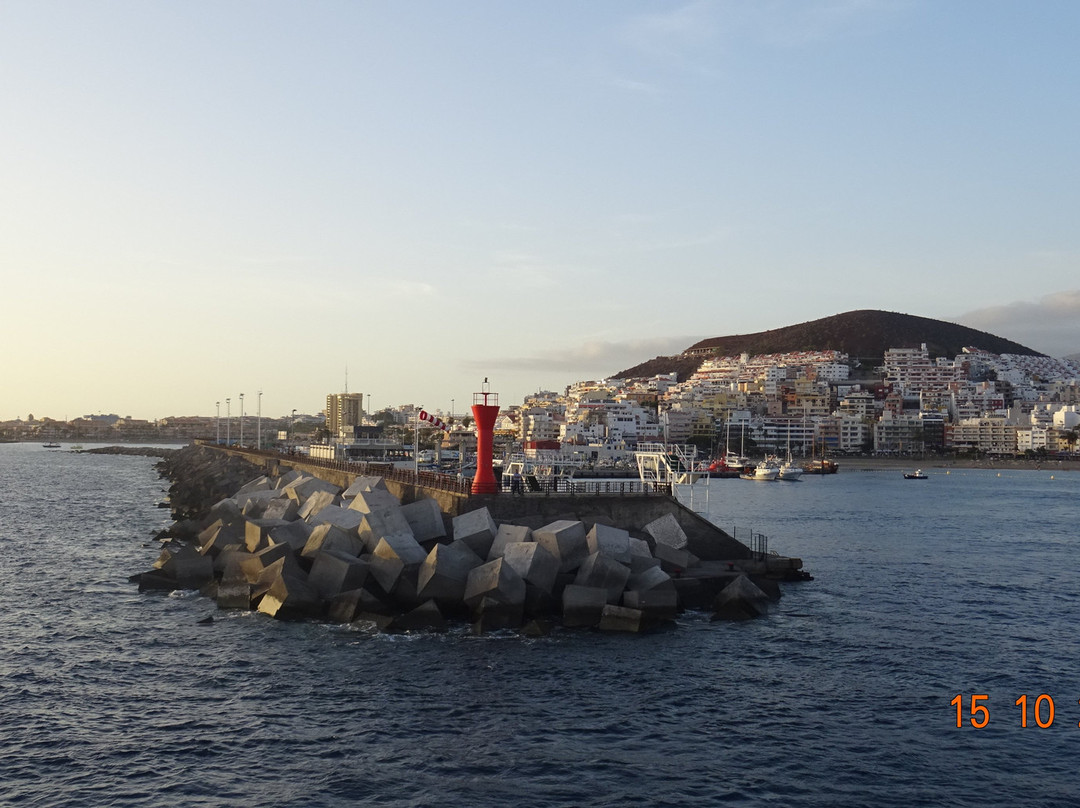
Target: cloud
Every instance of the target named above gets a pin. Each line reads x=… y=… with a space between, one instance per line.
x=1050 y=325
x=591 y=358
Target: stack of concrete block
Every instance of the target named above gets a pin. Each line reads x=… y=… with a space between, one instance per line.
x=297 y=548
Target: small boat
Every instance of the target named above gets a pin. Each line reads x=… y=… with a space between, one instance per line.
x=51 y=445
x=767 y=471
x=790 y=471
x=915 y=475
x=822 y=466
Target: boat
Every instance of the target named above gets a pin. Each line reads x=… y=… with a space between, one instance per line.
x=789 y=470
x=51 y=445
x=765 y=471
x=821 y=466
x=915 y=475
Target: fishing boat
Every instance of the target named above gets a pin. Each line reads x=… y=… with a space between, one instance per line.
x=915 y=475
x=51 y=445
x=765 y=471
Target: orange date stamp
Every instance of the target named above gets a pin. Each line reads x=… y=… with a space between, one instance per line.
x=1032 y=711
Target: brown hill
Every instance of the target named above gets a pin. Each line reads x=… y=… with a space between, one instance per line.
x=864 y=335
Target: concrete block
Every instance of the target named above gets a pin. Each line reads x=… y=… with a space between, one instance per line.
x=667 y=530
x=287 y=478
x=639 y=564
x=564 y=539
x=254 y=503
x=425 y=617
x=257 y=532
x=583 y=605
x=425 y=519
x=304 y=487
x=650 y=578
x=496 y=580
x=385 y=522
x=373 y=501
x=226 y=510
x=445 y=571
x=186 y=565
x=281 y=508
x=477 y=529
x=344 y=606
x=621 y=618
x=599 y=570
x=217 y=536
x=336 y=515
x=639 y=548
x=609 y=541
x=331 y=537
x=508 y=534
x=655 y=604
x=295 y=534
x=533 y=563
x=257 y=484
x=318 y=500
x=334 y=572
x=234 y=589
x=674 y=561
x=290 y=597
x=740 y=600
x=363 y=484
x=492 y=614
x=394 y=555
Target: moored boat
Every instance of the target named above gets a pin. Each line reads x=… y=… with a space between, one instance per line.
x=915 y=475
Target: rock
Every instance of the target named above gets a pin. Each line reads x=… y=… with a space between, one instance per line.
x=564 y=539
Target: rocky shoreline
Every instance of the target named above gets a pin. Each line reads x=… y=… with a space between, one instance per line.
x=294 y=546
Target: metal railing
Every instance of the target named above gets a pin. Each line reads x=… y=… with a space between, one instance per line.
x=758 y=543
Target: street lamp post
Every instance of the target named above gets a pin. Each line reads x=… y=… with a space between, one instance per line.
x=241 y=419
x=416 y=443
x=217 y=423
x=228 y=421
x=258 y=423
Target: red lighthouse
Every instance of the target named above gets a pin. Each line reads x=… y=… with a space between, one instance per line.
x=485 y=409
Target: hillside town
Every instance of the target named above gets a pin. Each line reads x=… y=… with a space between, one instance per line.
x=813 y=403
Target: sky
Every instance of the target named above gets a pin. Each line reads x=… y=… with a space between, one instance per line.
x=211 y=197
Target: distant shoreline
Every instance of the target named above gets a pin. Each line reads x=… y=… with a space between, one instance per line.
x=902 y=463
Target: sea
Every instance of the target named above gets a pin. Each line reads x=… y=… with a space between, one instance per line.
x=938 y=602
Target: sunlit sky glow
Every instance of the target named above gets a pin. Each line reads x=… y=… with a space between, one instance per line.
x=201 y=199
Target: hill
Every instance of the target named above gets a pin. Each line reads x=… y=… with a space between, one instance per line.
x=865 y=334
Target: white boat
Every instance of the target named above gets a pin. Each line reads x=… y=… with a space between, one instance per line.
x=767 y=471
x=790 y=471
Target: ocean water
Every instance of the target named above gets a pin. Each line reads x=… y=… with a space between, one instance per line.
x=964 y=584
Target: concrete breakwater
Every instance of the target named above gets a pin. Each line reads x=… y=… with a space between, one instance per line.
x=295 y=546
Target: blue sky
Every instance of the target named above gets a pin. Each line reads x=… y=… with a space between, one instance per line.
x=201 y=199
